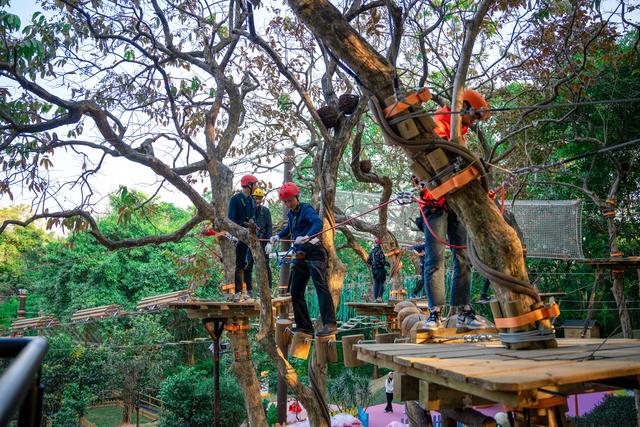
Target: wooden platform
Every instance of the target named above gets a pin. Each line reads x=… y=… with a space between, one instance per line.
x=156 y=302
x=206 y=308
x=614 y=262
x=519 y=379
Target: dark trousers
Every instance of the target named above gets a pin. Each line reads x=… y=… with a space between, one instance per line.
x=241 y=261
x=379 y=277
x=419 y=286
x=312 y=263
x=446 y=224
x=249 y=265
x=389 y=407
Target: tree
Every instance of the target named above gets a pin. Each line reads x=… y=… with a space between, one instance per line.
x=187 y=399
x=137 y=360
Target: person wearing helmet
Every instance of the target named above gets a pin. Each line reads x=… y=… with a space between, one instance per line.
x=444 y=224
x=242 y=209
x=264 y=225
x=477 y=109
x=303 y=224
x=378 y=264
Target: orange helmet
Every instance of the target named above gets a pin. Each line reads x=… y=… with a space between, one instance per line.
x=477 y=102
x=248 y=179
x=288 y=190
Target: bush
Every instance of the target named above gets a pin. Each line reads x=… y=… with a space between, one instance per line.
x=188 y=397
x=613 y=410
x=350 y=390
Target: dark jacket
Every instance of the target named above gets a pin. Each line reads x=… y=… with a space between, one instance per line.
x=377 y=259
x=241 y=209
x=303 y=221
x=421 y=248
x=263 y=221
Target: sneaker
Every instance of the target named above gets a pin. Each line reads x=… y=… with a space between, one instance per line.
x=329 y=329
x=434 y=322
x=379 y=299
x=467 y=320
x=484 y=299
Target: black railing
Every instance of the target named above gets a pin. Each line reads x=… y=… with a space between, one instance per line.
x=20 y=389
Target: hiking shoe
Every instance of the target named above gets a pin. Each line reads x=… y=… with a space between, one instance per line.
x=326 y=330
x=484 y=299
x=467 y=320
x=434 y=322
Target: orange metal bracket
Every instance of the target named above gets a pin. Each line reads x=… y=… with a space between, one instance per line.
x=457 y=181
x=530 y=317
x=415 y=98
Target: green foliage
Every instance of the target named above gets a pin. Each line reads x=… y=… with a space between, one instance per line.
x=72 y=375
x=188 y=399
x=613 y=410
x=350 y=390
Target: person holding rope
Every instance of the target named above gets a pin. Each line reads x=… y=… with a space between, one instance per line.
x=378 y=264
x=303 y=226
x=440 y=220
x=241 y=210
x=264 y=225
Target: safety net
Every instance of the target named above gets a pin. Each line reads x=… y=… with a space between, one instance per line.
x=551 y=228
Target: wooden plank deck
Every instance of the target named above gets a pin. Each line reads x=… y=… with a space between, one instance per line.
x=512 y=377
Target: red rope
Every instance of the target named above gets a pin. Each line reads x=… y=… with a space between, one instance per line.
x=343 y=222
x=435 y=236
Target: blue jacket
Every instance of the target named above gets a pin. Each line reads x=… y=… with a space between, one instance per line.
x=303 y=221
x=241 y=209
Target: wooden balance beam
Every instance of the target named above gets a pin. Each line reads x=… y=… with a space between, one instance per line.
x=155 y=302
x=101 y=312
x=34 y=323
x=527 y=381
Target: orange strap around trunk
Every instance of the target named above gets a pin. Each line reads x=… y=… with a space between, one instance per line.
x=422 y=95
x=234 y=328
x=457 y=181
x=530 y=317
x=228 y=286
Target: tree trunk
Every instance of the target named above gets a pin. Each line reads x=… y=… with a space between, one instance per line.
x=496 y=242
x=418 y=417
x=245 y=371
x=318 y=416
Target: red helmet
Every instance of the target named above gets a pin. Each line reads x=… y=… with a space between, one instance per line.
x=477 y=102
x=288 y=190
x=378 y=241
x=248 y=179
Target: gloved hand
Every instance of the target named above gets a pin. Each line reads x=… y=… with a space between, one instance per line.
x=300 y=240
x=273 y=239
x=268 y=248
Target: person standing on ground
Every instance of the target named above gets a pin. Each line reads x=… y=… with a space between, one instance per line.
x=378 y=264
x=303 y=223
x=388 y=388
x=419 y=251
x=442 y=222
x=242 y=209
x=264 y=225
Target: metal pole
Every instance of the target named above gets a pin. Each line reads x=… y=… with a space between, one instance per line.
x=215 y=328
x=283 y=289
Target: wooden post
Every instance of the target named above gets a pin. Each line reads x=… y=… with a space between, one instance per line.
x=349 y=354
x=22 y=312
